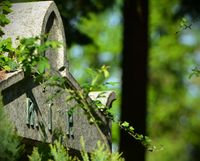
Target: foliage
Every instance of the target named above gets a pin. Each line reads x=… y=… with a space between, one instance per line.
x=94 y=35
x=100 y=154
x=28 y=55
x=60 y=153
x=105 y=29
x=96 y=78
x=4 y=10
x=144 y=140
x=10 y=143
x=7 y=63
x=81 y=96
x=103 y=154
x=173 y=98
x=35 y=156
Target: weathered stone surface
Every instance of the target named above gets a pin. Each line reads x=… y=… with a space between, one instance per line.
x=10 y=79
x=15 y=101
x=49 y=118
x=36 y=19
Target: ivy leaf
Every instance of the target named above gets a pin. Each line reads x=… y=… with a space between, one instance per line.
x=6 y=68
x=53 y=44
x=42 y=48
x=94 y=80
x=6 y=9
x=125 y=124
x=131 y=129
x=43 y=64
x=139 y=137
x=4 y=20
x=12 y=66
x=92 y=73
x=28 y=41
x=6 y=45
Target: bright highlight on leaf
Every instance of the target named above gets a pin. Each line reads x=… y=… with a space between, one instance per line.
x=104 y=69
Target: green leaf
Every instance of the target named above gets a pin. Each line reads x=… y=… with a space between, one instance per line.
x=5 y=3
x=6 y=68
x=6 y=45
x=104 y=69
x=131 y=129
x=43 y=64
x=91 y=72
x=125 y=124
x=12 y=65
x=94 y=80
x=35 y=156
x=4 y=20
x=53 y=44
x=6 y=9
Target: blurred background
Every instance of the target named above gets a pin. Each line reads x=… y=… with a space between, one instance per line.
x=152 y=49
x=173 y=88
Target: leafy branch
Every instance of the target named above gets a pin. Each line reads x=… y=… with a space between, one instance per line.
x=5 y=8
x=59 y=153
x=144 y=140
x=29 y=56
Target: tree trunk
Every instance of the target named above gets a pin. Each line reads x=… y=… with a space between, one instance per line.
x=134 y=77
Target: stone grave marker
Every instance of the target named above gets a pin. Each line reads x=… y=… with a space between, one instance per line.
x=25 y=102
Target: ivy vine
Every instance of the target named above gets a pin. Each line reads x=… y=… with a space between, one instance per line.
x=29 y=57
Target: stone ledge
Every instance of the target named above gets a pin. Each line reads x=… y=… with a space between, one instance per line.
x=10 y=79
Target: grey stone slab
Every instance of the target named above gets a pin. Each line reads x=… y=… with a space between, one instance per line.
x=10 y=79
x=28 y=105
x=15 y=99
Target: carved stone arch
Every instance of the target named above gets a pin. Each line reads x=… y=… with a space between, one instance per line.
x=53 y=26
x=35 y=19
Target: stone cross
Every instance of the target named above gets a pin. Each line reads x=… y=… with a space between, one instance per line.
x=25 y=102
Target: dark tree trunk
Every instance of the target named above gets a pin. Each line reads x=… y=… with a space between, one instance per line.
x=134 y=78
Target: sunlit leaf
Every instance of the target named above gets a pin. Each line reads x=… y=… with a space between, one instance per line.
x=43 y=64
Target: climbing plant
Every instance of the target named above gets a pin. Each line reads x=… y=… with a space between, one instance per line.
x=29 y=56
